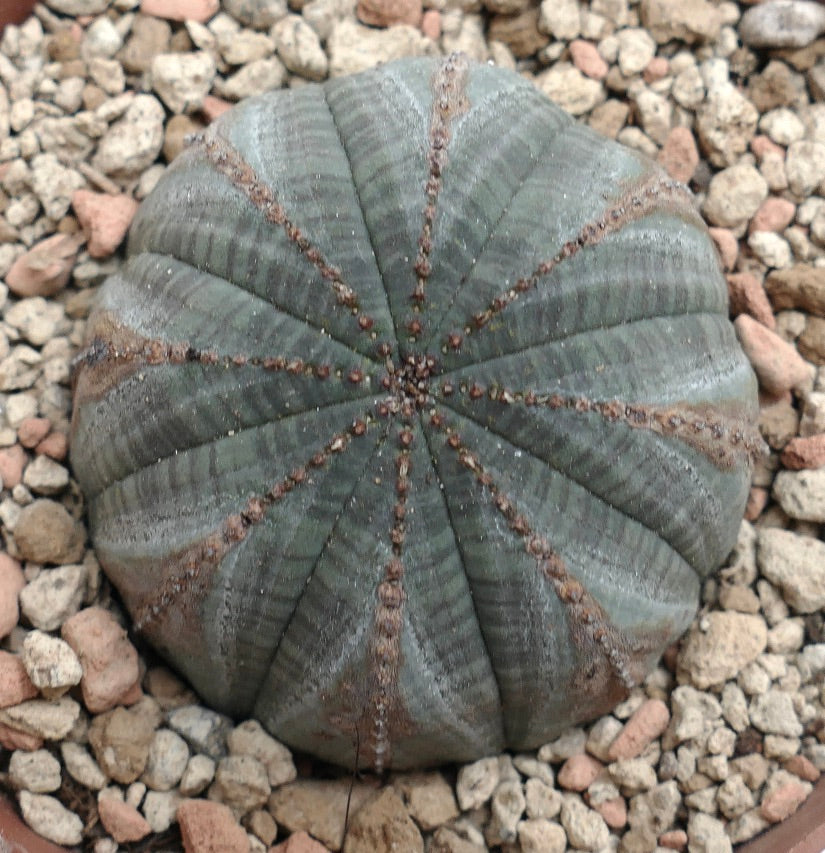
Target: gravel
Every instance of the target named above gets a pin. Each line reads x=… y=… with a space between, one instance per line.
x=727 y=735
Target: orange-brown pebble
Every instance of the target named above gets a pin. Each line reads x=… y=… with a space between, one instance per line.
x=674 y=839
x=802 y=767
x=579 y=772
x=214 y=107
x=12 y=739
x=778 y=366
x=180 y=10
x=613 y=812
x=679 y=155
x=656 y=69
x=55 y=445
x=727 y=245
x=386 y=13
x=46 y=268
x=783 y=802
x=209 y=827
x=32 y=431
x=109 y=660
x=646 y=723
x=757 y=501
x=15 y=684
x=122 y=821
x=774 y=214
x=11 y=582
x=431 y=24
x=105 y=219
x=762 y=145
x=299 y=842
x=12 y=461
x=588 y=60
x=747 y=296
x=804 y=452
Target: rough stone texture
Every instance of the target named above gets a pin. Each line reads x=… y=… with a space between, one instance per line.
x=687 y=20
x=646 y=723
x=15 y=684
x=585 y=828
x=121 y=820
x=382 y=825
x=241 y=782
x=104 y=219
x=476 y=783
x=38 y=771
x=51 y=664
x=796 y=564
x=167 y=761
x=132 y=144
x=109 y=660
x=182 y=81
x=725 y=124
x=249 y=738
x=802 y=286
x=11 y=582
x=180 y=10
x=50 y=818
x=428 y=797
x=801 y=494
x=82 y=767
x=53 y=596
x=45 y=269
x=317 y=807
x=721 y=644
x=566 y=86
x=782 y=23
x=777 y=364
x=735 y=195
x=121 y=739
x=208 y=827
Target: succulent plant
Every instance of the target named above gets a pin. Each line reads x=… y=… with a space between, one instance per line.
x=414 y=420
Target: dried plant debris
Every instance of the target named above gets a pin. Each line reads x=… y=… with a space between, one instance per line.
x=725 y=738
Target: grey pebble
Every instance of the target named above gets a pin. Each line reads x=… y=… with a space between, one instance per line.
x=782 y=23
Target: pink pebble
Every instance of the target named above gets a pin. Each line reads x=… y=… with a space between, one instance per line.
x=647 y=722
x=804 y=452
x=679 y=155
x=783 y=802
x=207 y=827
x=180 y=10
x=774 y=214
x=674 y=839
x=778 y=366
x=656 y=69
x=579 y=772
x=762 y=145
x=11 y=582
x=32 y=431
x=299 y=842
x=15 y=684
x=431 y=24
x=109 y=660
x=614 y=812
x=46 y=268
x=386 y=13
x=122 y=821
x=12 y=462
x=214 y=107
x=727 y=245
x=55 y=445
x=12 y=739
x=587 y=59
x=757 y=501
x=105 y=219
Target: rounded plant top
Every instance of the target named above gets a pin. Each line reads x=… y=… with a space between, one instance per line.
x=415 y=418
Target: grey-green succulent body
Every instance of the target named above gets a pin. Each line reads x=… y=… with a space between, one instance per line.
x=414 y=419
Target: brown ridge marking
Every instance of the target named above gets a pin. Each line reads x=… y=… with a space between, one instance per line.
x=229 y=162
x=115 y=352
x=450 y=100
x=188 y=573
x=721 y=437
x=610 y=656
x=384 y=712
x=635 y=203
